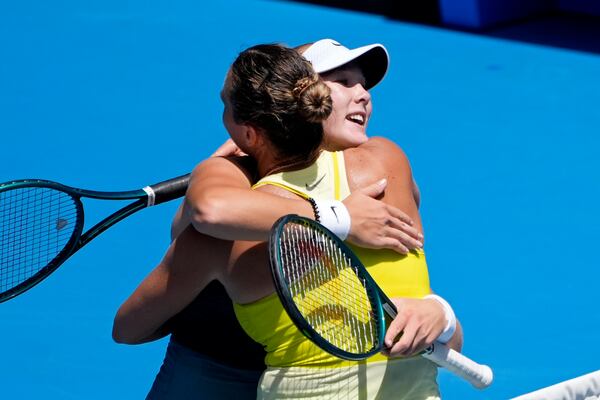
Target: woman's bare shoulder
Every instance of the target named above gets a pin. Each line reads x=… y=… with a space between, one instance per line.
x=236 y=168
x=375 y=159
x=381 y=146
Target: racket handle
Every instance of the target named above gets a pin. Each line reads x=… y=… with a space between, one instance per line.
x=479 y=375
x=168 y=190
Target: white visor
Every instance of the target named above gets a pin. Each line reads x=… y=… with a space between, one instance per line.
x=327 y=54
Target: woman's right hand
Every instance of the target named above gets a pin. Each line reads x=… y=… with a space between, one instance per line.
x=378 y=225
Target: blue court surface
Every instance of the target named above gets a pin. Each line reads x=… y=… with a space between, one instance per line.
x=502 y=135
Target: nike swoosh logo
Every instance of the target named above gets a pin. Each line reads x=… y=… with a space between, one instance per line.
x=335 y=213
x=314 y=185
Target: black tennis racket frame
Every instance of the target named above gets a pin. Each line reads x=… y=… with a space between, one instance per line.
x=286 y=296
x=163 y=192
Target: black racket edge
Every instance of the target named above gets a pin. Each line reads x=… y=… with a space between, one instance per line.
x=163 y=191
x=160 y=192
x=151 y=195
x=285 y=296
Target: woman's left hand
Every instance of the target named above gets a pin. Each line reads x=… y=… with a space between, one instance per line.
x=378 y=225
x=228 y=149
x=418 y=324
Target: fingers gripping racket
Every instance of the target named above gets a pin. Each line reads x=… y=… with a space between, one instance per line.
x=41 y=224
x=333 y=300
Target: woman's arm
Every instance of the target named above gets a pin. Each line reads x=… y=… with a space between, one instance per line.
x=220 y=203
x=191 y=262
x=421 y=321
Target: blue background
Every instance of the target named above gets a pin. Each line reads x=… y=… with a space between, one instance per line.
x=502 y=136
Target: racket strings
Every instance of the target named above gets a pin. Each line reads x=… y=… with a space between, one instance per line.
x=36 y=223
x=327 y=290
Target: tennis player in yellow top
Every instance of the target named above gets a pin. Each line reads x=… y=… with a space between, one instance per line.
x=174 y=282
x=296 y=367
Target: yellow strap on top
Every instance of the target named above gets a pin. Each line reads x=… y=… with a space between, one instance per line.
x=336 y=176
x=283 y=186
x=328 y=163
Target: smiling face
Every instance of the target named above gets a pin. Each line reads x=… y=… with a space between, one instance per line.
x=347 y=125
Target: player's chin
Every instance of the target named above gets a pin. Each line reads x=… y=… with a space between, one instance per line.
x=356 y=137
x=346 y=141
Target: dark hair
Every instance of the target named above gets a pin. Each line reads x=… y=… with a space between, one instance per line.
x=275 y=89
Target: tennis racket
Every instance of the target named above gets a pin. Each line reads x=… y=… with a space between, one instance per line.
x=41 y=224
x=333 y=300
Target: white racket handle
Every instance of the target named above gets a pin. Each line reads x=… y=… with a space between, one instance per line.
x=479 y=375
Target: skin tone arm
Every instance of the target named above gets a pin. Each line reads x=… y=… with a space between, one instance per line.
x=170 y=287
x=219 y=203
x=420 y=320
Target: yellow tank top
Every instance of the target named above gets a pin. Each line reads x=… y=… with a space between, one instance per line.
x=266 y=321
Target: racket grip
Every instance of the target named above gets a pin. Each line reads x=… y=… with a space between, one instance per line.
x=478 y=375
x=169 y=190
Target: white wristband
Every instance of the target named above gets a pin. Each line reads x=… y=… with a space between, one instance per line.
x=450 y=328
x=334 y=216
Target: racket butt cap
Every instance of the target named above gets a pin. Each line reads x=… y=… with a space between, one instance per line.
x=487 y=377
